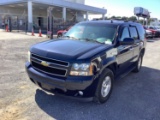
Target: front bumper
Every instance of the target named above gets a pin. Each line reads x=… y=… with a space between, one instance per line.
x=68 y=86
x=149 y=35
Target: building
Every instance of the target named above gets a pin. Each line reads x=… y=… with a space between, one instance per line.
x=34 y=12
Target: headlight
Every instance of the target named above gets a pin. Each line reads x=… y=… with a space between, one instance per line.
x=29 y=56
x=84 y=69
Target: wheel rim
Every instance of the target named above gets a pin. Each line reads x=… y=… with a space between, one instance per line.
x=106 y=86
x=139 y=63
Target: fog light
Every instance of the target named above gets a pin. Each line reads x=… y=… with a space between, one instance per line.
x=80 y=93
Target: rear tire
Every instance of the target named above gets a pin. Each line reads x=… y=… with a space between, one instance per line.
x=138 y=64
x=105 y=86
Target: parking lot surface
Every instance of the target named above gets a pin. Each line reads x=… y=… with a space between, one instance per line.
x=135 y=97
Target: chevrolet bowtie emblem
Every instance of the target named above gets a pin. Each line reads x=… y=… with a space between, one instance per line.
x=44 y=63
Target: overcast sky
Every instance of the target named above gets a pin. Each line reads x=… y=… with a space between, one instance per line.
x=126 y=7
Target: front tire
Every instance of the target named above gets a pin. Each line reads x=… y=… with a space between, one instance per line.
x=105 y=86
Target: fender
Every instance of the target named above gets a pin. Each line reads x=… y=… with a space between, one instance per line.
x=107 y=62
x=100 y=64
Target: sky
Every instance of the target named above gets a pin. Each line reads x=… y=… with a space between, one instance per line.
x=126 y=7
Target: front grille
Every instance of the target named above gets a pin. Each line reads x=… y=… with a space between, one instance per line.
x=53 y=61
x=54 y=67
x=49 y=70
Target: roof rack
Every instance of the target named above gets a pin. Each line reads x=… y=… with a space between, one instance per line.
x=116 y=21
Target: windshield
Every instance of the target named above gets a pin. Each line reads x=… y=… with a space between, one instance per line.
x=101 y=33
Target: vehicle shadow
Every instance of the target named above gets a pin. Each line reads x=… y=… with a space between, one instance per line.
x=150 y=40
x=136 y=96
x=157 y=39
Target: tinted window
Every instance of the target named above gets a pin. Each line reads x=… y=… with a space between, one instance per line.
x=141 y=32
x=133 y=32
x=125 y=34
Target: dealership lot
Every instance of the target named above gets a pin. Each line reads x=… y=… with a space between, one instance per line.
x=135 y=97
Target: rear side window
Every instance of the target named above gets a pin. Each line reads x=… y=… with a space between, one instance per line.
x=125 y=34
x=141 y=32
x=133 y=33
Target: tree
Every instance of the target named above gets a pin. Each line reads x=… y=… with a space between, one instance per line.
x=106 y=18
x=150 y=20
x=113 y=17
x=119 y=17
x=132 y=18
x=124 y=18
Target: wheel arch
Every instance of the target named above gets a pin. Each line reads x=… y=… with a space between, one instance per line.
x=102 y=64
x=112 y=65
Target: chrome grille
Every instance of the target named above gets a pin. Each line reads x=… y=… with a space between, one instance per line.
x=53 y=67
x=53 y=61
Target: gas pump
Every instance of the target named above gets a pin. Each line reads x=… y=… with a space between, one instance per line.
x=50 y=22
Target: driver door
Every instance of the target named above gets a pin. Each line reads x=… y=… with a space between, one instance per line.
x=125 y=52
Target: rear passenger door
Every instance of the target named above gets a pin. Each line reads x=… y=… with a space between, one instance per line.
x=136 y=46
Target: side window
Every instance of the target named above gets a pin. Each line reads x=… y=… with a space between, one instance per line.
x=133 y=32
x=125 y=34
x=141 y=32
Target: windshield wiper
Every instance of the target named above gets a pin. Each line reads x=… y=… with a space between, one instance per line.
x=71 y=37
x=92 y=40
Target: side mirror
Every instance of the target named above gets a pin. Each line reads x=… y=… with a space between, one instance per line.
x=127 y=41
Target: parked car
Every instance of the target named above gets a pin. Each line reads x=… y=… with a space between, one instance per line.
x=149 y=34
x=61 y=32
x=157 y=28
x=155 y=31
x=84 y=62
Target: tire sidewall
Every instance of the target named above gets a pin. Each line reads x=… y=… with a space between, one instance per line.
x=136 y=70
x=140 y=57
x=98 y=95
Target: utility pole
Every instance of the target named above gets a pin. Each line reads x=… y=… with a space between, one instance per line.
x=50 y=22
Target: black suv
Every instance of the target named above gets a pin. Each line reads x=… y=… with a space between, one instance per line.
x=84 y=62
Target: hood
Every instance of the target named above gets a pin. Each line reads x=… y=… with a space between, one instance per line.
x=67 y=49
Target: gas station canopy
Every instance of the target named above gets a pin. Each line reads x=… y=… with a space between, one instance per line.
x=60 y=3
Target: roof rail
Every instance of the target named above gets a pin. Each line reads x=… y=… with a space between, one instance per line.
x=115 y=20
